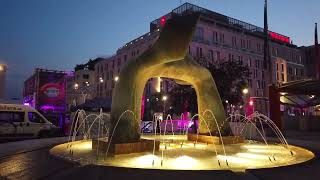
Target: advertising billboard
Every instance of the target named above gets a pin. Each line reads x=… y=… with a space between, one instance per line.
x=51 y=91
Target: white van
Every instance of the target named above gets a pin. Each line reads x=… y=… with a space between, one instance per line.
x=21 y=121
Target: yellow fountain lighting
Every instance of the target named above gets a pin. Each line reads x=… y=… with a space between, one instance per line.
x=271 y=151
x=185 y=162
x=83 y=145
x=234 y=159
x=253 y=156
x=146 y=160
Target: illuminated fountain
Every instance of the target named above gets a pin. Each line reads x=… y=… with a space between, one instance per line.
x=220 y=143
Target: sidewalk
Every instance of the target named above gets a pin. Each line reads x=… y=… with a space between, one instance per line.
x=17 y=147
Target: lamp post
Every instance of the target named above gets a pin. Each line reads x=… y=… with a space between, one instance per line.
x=164 y=99
x=116 y=79
x=245 y=92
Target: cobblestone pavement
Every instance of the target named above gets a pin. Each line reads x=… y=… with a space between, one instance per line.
x=36 y=164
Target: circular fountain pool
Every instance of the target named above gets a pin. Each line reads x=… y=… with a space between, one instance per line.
x=177 y=153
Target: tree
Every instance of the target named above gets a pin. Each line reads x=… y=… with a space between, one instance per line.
x=183 y=98
x=230 y=78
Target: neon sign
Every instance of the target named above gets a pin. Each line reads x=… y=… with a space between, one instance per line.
x=279 y=37
x=163 y=21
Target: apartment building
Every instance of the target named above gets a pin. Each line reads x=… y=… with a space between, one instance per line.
x=217 y=38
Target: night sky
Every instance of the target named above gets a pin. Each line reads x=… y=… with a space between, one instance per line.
x=58 y=34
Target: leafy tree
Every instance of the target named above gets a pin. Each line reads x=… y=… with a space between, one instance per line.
x=230 y=78
x=183 y=98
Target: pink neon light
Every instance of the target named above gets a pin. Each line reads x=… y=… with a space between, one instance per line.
x=279 y=37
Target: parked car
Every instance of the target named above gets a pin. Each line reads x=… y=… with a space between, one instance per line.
x=19 y=121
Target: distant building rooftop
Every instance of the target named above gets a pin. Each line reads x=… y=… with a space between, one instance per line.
x=89 y=65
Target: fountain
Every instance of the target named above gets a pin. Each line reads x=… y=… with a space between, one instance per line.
x=220 y=143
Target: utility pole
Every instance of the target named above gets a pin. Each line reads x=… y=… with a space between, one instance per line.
x=267 y=64
x=316 y=51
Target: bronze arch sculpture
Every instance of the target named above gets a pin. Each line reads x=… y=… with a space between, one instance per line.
x=166 y=58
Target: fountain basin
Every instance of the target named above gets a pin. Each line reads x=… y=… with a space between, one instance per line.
x=177 y=153
x=215 y=139
x=144 y=145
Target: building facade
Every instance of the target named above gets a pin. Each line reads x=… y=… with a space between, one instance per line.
x=80 y=87
x=217 y=38
x=45 y=90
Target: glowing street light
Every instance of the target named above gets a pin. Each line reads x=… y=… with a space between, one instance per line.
x=164 y=98
x=245 y=91
x=116 y=78
x=76 y=86
x=101 y=80
x=227 y=101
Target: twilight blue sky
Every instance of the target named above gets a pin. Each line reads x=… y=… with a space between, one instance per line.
x=58 y=34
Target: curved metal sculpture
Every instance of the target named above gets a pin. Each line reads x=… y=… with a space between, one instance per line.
x=166 y=58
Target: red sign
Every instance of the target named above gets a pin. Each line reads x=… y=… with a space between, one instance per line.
x=279 y=37
x=53 y=91
x=163 y=21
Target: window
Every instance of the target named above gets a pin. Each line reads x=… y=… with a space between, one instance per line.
x=248 y=44
x=35 y=117
x=290 y=70
x=125 y=58
x=198 y=34
x=234 y=41
x=12 y=116
x=211 y=55
x=258 y=47
x=106 y=66
x=221 y=37
x=199 y=52
x=214 y=36
x=119 y=62
x=257 y=63
x=250 y=83
x=85 y=76
x=282 y=67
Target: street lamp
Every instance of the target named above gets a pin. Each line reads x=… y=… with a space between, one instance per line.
x=245 y=91
x=116 y=78
x=164 y=99
x=101 y=80
x=76 y=86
